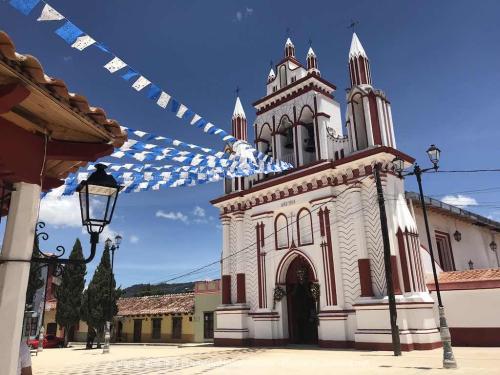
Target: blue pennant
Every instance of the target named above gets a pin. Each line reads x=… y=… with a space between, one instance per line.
x=24 y=6
x=69 y=32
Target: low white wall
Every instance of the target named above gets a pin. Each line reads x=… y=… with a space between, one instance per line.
x=473 y=316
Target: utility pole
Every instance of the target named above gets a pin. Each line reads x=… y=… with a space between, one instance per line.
x=396 y=344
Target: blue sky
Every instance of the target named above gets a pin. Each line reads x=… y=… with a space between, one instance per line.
x=437 y=61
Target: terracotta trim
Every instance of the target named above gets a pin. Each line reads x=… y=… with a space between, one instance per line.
x=262 y=214
x=294 y=253
x=331 y=270
x=298 y=227
x=316 y=130
x=465 y=285
x=226 y=289
x=397 y=303
x=336 y=344
x=365 y=279
x=330 y=196
x=383 y=346
x=395 y=274
x=240 y=288
x=292 y=85
x=276 y=232
x=475 y=336
x=377 y=135
x=322 y=114
x=319 y=166
x=402 y=258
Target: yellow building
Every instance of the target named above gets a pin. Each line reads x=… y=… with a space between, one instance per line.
x=165 y=318
x=77 y=332
x=207 y=297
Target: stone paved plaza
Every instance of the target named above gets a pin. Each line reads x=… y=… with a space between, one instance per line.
x=139 y=359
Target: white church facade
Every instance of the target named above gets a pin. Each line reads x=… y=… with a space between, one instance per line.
x=302 y=258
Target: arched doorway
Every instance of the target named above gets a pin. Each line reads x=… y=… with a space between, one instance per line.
x=301 y=305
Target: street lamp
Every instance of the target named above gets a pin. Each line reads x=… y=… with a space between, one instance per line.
x=434 y=154
x=493 y=247
x=98 y=195
x=112 y=247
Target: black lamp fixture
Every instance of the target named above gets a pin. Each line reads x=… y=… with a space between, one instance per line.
x=434 y=153
x=471 y=264
x=457 y=236
x=493 y=245
x=98 y=196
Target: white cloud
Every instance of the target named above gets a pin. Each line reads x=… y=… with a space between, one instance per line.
x=198 y=211
x=240 y=14
x=134 y=239
x=459 y=200
x=172 y=216
x=61 y=211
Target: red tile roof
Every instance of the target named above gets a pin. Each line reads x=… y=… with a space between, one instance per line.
x=469 y=275
x=468 y=280
x=182 y=303
x=32 y=69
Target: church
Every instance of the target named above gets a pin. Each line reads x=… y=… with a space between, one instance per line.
x=302 y=259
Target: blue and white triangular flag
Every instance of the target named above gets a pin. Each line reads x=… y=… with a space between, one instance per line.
x=50 y=14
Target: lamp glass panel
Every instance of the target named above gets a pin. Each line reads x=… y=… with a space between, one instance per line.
x=83 y=204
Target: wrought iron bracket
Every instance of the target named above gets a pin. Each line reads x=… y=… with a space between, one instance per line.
x=41 y=256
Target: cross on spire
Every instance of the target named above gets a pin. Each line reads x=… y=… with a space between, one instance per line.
x=237 y=91
x=353 y=25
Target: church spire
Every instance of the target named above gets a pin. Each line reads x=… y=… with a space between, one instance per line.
x=312 y=61
x=289 y=48
x=239 y=121
x=271 y=76
x=359 y=65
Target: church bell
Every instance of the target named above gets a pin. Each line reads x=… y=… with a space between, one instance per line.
x=310 y=146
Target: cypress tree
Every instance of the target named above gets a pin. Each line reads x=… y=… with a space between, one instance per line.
x=97 y=306
x=69 y=293
x=35 y=280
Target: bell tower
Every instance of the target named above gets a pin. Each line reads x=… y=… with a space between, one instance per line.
x=369 y=116
x=239 y=121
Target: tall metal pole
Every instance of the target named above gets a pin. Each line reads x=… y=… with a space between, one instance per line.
x=107 y=328
x=396 y=344
x=448 y=357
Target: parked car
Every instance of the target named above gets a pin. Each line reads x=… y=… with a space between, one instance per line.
x=49 y=341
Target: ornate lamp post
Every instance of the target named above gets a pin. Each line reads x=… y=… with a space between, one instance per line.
x=98 y=196
x=112 y=247
x=434 y=153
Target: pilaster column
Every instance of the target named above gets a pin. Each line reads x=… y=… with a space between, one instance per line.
x=364 y=266
x=226 y=261
x=368 y=121
x=240 y=257
x=17 y=244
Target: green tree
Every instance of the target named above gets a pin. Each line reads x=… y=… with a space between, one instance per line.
x=69 y=292
x=35 y=280
x=99 y=305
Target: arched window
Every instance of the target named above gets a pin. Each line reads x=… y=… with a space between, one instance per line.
x=281 y=231
x=304 y=227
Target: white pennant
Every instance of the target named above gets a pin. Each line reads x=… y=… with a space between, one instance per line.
x=115 y=65
x=163 y=99
x=83 y=42
x=50 y=14
x=141 y=83
x=181 y=111
x=195 y=119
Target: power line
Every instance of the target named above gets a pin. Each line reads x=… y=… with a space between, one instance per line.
x=468 y=171
x=273 y=233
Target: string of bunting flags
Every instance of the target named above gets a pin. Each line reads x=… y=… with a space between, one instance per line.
x=206 y=166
